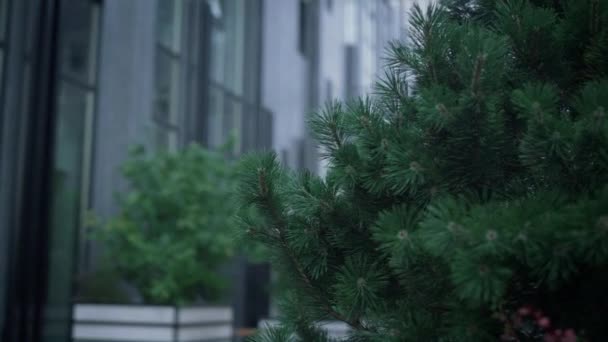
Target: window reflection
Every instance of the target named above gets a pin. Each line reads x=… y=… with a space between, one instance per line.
x=74 y=108
x=72 y=148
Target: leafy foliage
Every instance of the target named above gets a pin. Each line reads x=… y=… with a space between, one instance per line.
x=174 y=228
x=473 y=183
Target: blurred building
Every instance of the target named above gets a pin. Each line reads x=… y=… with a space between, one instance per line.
x=82 y=80
x=318 y=50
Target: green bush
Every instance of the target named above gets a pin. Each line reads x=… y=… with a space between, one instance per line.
x=174 y=229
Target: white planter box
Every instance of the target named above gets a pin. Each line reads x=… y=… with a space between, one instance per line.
x=150 y=323
x=335 y=329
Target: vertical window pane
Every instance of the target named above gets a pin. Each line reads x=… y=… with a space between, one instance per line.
x=72 y=133
x=351 y=24
x=74 y=106
x=1 y=74
x=3 y=227
x=167 y=73
x=303 y=26
x=237 y=126
x=78 y=39
x=216 y=111
x=3 y=18
x=167 y=77
x=169 y=23
x=218 y=46
x=234 y=53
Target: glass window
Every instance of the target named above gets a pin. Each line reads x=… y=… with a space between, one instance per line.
x=167 y=77
x=170 y=23
x=3 y=227
x=168 y=70
x=303 y=26
x=216 y=110
x=78 y=43
x=75 y=107
x=227 y=63
x=78 y=39
x=232 y=120
x=3 y=18
x=218 y=44
x=3 y=23
x=235 y=49
x=350 y=22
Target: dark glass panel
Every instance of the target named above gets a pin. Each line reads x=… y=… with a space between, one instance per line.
x=78 y=39
x=73 y=110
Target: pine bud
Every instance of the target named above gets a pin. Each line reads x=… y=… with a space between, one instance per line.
x=384 y=144
x=402 y=235
x=361 y=282
x=602 y=223
x=442 y=110
x=599 y=113
x=537 y=110
x=453 y=227
x=479 y=66
x=262 y=181
x=416 y=167
x=491 y=235
x=483 y=270
x=364 y=121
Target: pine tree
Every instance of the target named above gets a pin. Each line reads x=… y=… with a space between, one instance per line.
x=467 y=199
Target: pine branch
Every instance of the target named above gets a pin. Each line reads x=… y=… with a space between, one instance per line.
x=280 y=225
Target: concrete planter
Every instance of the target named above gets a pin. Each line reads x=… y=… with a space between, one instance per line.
x=151 y=323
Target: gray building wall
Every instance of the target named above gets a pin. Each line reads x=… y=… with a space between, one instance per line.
x=345 y=62
x=332 y=54
x=285 y=80
x=125 y=90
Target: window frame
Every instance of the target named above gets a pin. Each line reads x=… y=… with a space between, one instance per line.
x=167 y=126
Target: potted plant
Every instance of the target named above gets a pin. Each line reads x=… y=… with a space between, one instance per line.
x=169 y=240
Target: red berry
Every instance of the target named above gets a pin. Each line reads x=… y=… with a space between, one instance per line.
x=569 y=336
x=544 y=322
x=549 y=338
x=524 y=311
